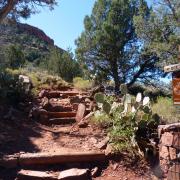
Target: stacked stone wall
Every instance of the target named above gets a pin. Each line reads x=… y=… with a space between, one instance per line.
x=169 y=151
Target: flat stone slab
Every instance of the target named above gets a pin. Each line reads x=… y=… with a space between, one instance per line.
x=75 y=174
x=35 y=175
x=168 y=127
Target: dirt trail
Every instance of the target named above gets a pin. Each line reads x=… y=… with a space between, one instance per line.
x=40 y=134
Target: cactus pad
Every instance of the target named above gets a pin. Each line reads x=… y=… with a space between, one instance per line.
x=123 y=88
x=106 y=107
x=99 y=97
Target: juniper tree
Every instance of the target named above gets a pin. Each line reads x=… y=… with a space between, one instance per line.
x=160 y=32
x=109 y=44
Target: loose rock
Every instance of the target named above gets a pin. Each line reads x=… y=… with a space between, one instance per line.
x=75 y=174
x=94 y=172
x=103 y=143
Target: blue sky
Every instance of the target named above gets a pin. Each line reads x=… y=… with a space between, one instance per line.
x=65 y=23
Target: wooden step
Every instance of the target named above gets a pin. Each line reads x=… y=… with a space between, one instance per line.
x=59 y=121
x=31 y=159
x=61 y=114
x=56 y=94
x=55 y=158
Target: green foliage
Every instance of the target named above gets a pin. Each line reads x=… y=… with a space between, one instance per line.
x=109 y=46
x=15 y=57
x=106 y=107
x=24 y=42
x=101 y=119
x=11 y=90
x=22 y=8
x=127 y=121
x=123 y=89
x=62 y=64
x=159 y=32
x=81 y=83
x=99 y=97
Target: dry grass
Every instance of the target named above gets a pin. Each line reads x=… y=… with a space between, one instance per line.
x=82 y=84
x=166 y=110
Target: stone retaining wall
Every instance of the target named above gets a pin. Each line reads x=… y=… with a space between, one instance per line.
x=169 y=151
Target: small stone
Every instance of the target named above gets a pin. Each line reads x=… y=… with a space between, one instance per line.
x=172 y=153
x=103 y=143
x=94 y=172
x=87 y=100
x=75 y=174
x=45 y=102
x=43 y=93
x=109 y=150
x=93 y=140
x=115 y=166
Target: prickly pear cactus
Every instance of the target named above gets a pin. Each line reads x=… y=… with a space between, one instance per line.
x=123 y=88
x=99 y=97
x=106 y=107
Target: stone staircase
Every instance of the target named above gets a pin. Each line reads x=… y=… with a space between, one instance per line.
x=62 y=107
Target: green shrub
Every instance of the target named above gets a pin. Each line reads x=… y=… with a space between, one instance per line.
x=82 y=84
x=101 y=119
x=129 y=121
x=11 y=90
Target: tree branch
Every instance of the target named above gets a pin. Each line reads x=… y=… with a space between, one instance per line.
x=6 y=9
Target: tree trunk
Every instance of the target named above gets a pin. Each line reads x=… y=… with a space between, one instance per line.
x=115 y=76
x=6 y=9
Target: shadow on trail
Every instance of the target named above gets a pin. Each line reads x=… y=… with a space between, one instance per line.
x=15 y=136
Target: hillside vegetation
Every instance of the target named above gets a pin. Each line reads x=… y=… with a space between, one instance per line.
x=23 y=45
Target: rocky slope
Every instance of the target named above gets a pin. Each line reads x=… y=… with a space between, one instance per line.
x=33 y=41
